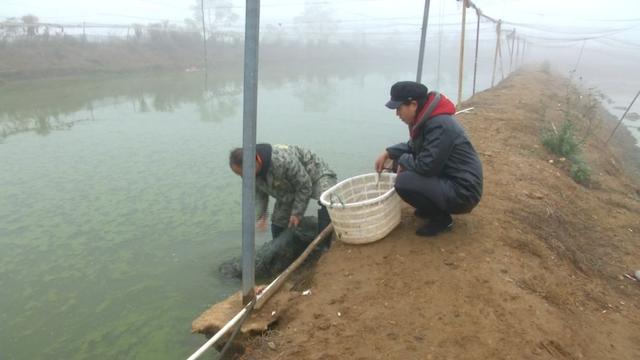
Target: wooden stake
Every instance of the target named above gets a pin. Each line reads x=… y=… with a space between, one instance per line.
x=475 y=64
x=500 y=57
x=517 y=52
x=464 y=20
x=495 y=57
x=511 y=49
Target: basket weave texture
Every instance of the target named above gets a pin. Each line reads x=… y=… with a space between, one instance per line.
x=364 y=208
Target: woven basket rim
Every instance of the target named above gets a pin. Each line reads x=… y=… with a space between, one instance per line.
x=386 y=195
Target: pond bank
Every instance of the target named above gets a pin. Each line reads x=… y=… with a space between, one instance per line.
x=536 y=271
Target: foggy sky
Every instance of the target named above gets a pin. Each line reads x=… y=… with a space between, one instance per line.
x=557 y=29
x=564 y=18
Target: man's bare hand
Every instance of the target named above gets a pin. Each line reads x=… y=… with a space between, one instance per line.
x=379 y=164
x=261 y=224
x=294 y=221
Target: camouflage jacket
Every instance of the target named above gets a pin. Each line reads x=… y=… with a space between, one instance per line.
x=295 y=176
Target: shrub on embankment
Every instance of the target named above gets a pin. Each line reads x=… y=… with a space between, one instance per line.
x=577 y=122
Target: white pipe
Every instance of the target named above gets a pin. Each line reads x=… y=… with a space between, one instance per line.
x=266 y=292
x=464 y=111
x=230 y=324
x=219 y=334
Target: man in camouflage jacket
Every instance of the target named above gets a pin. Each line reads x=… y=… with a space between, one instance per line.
x=292 y=175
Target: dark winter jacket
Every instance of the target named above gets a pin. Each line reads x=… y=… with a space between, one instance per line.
x=439 y=147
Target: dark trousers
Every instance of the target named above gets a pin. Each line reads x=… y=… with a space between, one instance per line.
x=429 y=195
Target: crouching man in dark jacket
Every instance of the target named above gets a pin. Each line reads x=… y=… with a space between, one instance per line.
x=439 y=172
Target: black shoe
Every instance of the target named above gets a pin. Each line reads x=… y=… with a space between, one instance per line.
x=435 y=226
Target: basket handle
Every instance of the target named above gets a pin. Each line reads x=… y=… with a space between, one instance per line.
x=331 y=195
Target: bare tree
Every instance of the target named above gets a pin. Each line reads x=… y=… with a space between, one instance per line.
x=31 y=25
x=218 y=15
x=317 y=22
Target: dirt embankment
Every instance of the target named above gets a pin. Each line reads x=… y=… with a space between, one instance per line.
x=535 y=272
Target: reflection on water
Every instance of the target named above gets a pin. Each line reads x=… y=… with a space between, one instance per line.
x=46 y=106
x=50 y=105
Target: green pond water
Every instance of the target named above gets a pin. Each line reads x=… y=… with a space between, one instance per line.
x=117 y=204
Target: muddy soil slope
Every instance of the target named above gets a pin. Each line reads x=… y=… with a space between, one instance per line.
x=536 y=271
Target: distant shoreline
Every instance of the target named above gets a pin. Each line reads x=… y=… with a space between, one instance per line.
x=64 y=57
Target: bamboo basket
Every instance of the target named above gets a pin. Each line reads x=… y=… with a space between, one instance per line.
x=364 y=208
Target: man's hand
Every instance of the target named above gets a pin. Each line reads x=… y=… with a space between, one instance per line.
x=294 y=221
x=379 y=164
x=261 y=224
x=400 y=169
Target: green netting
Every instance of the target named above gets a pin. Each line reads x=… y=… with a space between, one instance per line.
x=274 y=256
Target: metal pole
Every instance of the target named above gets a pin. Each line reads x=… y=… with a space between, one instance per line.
x=511 y=49
x=439 y=45
x=495 y=57
x=464 y=21
x=517 y=52
x=250 y=112
x=204 y=36
x=575 y=68
x=425 y=21
x=500 y=57
x=475 y=64
x=622 y=117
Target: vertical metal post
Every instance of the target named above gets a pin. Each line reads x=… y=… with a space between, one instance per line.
x=512 y=49
x=475 y=64
x=622 y=117
x=575 y=68
x=423 y=36
x=500 y=55
x=204 y=36
x=439 y=46
x=250 y=113
x=464 y=23
x=517 y=52
x=495 y=57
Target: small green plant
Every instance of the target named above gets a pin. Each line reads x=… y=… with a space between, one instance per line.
x=580 y=172
x=577 y=123
x=562 y=141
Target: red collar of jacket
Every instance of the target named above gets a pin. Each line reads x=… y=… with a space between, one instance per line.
x=443 y=107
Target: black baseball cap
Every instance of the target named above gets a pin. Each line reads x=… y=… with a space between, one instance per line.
x=404 y=91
